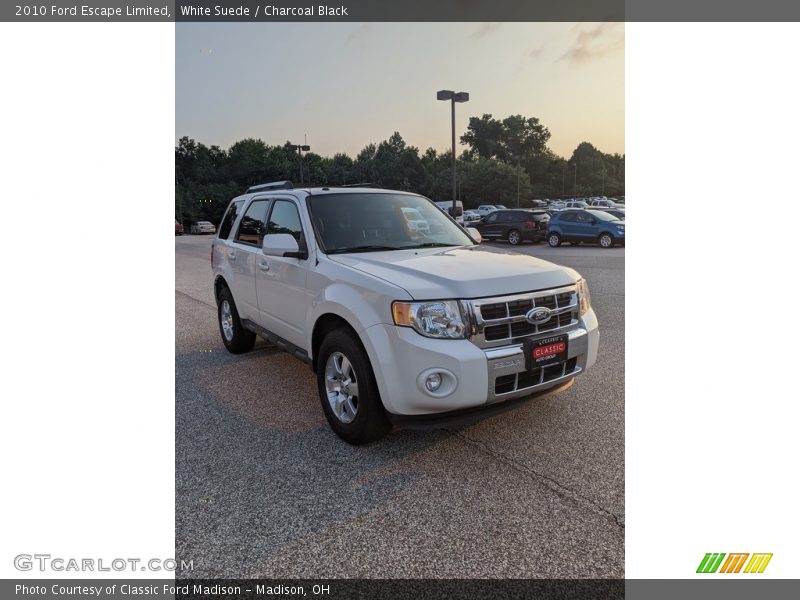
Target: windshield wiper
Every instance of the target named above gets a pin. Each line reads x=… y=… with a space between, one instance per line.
x=368 y=248
x=432 y=245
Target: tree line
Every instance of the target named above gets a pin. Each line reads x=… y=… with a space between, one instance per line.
x=504 y=162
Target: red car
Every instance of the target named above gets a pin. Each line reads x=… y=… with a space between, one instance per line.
x=178 y=228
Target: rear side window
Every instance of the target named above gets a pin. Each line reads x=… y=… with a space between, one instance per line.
x=251 y=229
x=286 y=219
x=570 y=217
x=229 y=219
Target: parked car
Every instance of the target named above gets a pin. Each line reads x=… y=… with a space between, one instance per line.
x=396 y=329
x=178 y=228
x=575 y=204
x=485 y=209
x=592 y=226
x=616 y=212
x=514 y=225
x=604 y=202
x=202 y=227
x=472 y=217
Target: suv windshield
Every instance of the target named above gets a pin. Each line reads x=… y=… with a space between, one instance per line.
x=368 y=222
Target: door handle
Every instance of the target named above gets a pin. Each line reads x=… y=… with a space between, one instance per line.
x=263 y=266
x=232 y=256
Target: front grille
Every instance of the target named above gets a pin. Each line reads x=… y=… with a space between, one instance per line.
x=534 y=377
x=503 y=320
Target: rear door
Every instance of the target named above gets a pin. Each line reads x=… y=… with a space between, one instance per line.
x=566 y=220
x=281 y=281
x=244 y=248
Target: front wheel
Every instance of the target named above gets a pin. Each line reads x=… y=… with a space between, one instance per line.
x=554 y=240
x=514 y=237
x=348 y=391
x=606 y=240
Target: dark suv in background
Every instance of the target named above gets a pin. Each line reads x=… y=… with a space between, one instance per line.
x=514 y=225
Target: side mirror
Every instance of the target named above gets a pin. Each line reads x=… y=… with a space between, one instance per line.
x=282 y=244
x=475 y=234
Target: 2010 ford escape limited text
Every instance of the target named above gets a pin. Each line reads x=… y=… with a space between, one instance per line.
x=401 y=324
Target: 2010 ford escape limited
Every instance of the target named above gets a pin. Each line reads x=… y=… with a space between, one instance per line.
x=400 y=324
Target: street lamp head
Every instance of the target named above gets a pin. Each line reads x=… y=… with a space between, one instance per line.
x=461 y=97
x=305 y=148
x=445 y=94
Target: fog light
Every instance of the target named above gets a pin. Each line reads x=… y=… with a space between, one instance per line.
x=433 y=381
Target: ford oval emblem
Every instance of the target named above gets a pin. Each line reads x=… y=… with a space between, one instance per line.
x=538 y=315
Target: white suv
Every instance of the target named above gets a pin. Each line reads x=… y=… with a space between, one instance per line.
x=399 y=325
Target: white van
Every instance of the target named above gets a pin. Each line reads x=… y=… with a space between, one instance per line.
x=447 y=207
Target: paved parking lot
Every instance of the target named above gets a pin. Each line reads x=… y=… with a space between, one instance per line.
x=265 y=489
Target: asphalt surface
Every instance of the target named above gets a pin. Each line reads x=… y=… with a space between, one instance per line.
x=265 y=489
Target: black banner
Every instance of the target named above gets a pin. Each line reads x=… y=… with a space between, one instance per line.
x=402 y=11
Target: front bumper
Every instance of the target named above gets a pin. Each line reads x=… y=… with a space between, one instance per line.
x=401 y=358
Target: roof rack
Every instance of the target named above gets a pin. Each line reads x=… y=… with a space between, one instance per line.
x=357 y=185
x=273 y=185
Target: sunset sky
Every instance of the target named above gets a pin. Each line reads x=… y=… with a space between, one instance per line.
x=345 y=85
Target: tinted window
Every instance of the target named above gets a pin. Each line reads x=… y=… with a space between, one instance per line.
x=251 y=229
x=378 y=221
x=568 y=216
x=229 y=219
x=492 y=217
x=285 y=219
x=585 y=218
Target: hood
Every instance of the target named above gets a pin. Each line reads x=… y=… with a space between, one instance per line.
x=461 y=272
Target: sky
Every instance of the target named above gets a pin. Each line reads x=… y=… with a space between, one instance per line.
x=345 y=85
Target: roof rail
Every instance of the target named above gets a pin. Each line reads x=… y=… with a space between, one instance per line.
x=356 y=185
x=273 y=185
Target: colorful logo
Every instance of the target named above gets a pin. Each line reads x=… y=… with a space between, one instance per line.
x=734 y=562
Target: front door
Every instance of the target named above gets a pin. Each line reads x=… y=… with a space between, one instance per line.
x=281 y=281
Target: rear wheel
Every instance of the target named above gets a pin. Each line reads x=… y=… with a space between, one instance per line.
x=606 y=240
x=348 y=391
x=554 y=240
x=514 y=237
x=236 y=338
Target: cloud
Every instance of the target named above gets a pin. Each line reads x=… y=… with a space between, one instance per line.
x=594 y=43
x=484 y=30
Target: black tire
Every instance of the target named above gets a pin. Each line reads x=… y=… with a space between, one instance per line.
x=606 y=240
x=514 y=237
x=369 y=422
x=554 y=240
x=574 y=243
x=237 y=340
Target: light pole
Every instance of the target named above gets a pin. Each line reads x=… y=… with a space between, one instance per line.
x=575 y=183
x=453 y=97
x=299 y=148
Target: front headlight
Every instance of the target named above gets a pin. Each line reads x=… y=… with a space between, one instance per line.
x=584 y=300
x=436 y=319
